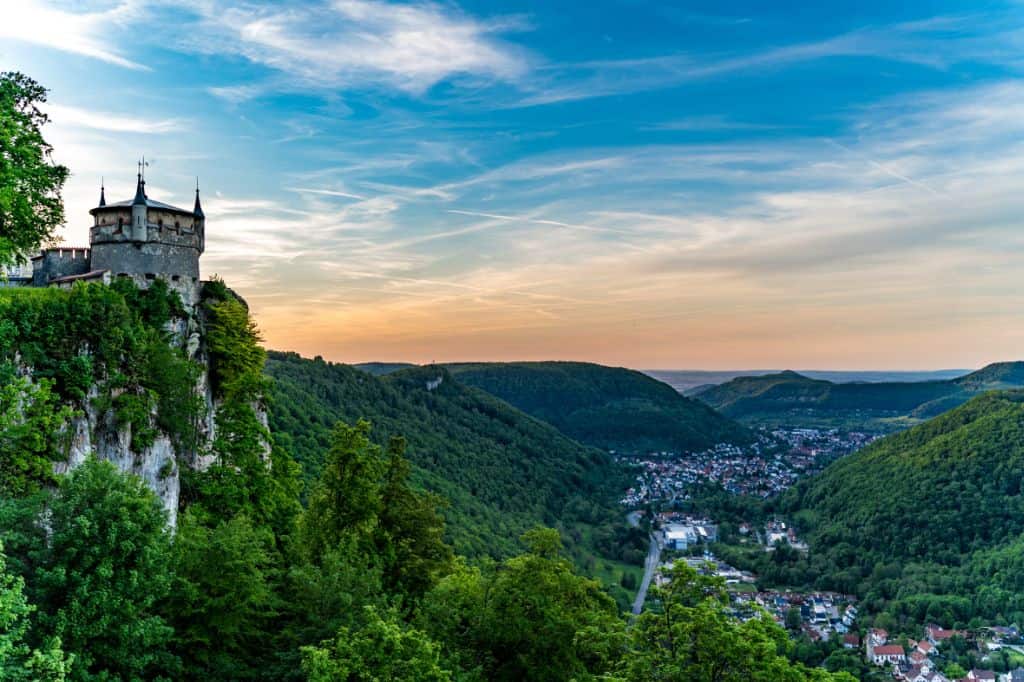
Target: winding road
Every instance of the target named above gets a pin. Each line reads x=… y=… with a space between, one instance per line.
x=650 y=566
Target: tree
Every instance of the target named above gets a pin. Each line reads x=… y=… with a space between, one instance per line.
x=693 y=637
x=31 y=418
x=383 y=649
x=411 y=531
x=793 y=619
x=346 y=501
x=531 y=619
x=19 y=663
x=102 y=573
x=30 y=183
x=222 y=601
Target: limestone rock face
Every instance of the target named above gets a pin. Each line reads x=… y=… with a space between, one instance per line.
x=159 y=465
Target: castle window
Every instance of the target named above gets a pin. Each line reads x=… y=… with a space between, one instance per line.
x=175 y=278
x=120 y=223
x=177 y=225
x=150 y=276
x=160 y=223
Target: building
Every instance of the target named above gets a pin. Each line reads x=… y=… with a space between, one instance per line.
x=888 y=654
x=140 y=238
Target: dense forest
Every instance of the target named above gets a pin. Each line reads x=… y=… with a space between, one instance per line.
x=347 y=578
x=791 y=399
x=607 y=407
x=501 y=470
x=926 y=525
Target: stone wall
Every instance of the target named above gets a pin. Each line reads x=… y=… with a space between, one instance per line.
x=53 y=263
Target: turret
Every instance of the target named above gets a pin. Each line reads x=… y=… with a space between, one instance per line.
x=199 y=220
x=139 y=211
x=103 y=195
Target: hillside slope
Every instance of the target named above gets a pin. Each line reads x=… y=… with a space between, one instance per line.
x=793 y=399
x=927 y=523
x=607 y=407
x=502 y=470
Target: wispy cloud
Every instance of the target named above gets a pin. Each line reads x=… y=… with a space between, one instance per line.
x=83 y=33
x=119 y=123
x=961 y=37
x=341 y=43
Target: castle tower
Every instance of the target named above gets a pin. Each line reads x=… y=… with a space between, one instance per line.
x=145 y=239
x=140 y=210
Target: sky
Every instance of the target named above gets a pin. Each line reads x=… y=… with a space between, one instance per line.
x=699 y=185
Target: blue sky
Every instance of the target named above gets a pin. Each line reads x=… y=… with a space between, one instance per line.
x=687 y=185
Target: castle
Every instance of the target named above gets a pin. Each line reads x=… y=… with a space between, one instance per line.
x=140 y=238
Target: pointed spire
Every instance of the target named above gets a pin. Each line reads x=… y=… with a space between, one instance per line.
x=198 y=210
x=140 y=188
x=103 y=196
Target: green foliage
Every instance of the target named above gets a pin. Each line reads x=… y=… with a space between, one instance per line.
x=502 y=471
x=531 y=618
x=102 y=572
x=30 y=440
x=363 y=499
x=31 y=209
x=222 y=602
x=692 y=637
x=383 y=649
x=346 y=501
x=233 y=343
x=18 y=662
x=111 y=338
x=926 y=525
x=607 y=407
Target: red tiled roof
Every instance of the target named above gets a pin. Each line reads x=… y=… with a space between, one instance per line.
x=889 y=650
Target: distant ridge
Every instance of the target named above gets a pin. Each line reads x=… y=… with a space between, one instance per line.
x=687 y=381
x=608 y=407
x=792 y=398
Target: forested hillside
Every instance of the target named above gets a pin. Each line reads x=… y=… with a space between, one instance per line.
x=926 y=524
x=607 y=407
x=792 y=399
x=501 y=470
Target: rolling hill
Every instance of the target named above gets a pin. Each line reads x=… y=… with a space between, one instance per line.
x=926 y=524
x=794 y=399
x=607 y=407
x=502 y=470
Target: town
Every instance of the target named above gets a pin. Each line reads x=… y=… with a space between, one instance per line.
x=771 y=464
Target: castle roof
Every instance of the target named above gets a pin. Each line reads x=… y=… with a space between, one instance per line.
x=151 y=203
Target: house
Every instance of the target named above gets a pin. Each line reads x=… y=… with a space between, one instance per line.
x=924 y=673
x=888 y=654
x=976 y=675
x=936 y=635
x=851 y=641
x=925 y=647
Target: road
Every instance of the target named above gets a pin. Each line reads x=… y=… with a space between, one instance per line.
x=650 y=566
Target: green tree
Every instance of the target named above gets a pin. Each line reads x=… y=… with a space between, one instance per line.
x=102 y=573
x=533 y=618
x=692 y=637
x=30 y=183
x=222 y=601
x=383 y=649
x=31 y=418
x=411 y=530
x=346 y=501
x=19 y=663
